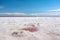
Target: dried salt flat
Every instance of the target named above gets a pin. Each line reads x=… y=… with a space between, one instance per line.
x=48 y=28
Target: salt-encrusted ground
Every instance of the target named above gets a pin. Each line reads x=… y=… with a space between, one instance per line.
x=49 y=28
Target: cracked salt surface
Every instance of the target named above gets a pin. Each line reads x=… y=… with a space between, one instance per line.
x=49 y=28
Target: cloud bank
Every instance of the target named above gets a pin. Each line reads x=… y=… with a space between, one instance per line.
x=29 y=15
x=11 y=14
x=50 y=13
x=55 y=10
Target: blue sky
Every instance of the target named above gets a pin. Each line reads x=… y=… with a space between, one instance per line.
x=30 y=6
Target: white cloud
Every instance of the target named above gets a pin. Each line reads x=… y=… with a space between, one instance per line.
x=15 y=13
x=54 y=13
x=32 y=14
x=39 y=13
x=46 y=14
x=35 y=14
x=55 y=10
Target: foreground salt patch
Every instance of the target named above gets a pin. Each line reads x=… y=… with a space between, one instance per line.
x=29 y=27
x=25 y=32
x=49 y=28
x=24 y=35
x=27 y=35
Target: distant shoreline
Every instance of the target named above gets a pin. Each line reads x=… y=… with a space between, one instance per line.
x=29 y=16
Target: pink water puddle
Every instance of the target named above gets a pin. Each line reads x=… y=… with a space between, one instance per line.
x=30 y=29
